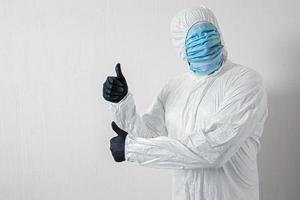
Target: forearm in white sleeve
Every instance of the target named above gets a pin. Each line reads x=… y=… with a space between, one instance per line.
x=238 y=118
x=149 y=125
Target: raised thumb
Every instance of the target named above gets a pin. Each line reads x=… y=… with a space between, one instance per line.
x=118 y=130
x=119 y=71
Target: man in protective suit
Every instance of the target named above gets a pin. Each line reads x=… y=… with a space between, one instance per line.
x=205 y=124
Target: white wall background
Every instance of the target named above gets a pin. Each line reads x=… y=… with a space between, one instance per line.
x=55 y=126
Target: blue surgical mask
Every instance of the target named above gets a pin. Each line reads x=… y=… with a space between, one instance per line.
x=203 y=48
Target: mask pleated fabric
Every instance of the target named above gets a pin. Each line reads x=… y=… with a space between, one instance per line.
x=204 y=48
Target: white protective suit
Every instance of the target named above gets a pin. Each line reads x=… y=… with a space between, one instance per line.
x=205 y=128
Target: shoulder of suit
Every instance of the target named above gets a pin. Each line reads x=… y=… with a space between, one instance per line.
x=242 y=74
x=171 y=84
x=175 y=80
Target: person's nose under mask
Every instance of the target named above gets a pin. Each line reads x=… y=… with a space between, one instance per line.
x=203 y=48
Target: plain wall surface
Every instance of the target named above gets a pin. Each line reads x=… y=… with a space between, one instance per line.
x=55 y=126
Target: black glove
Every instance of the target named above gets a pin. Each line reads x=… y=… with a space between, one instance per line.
x=117 y=144
x=115 y=87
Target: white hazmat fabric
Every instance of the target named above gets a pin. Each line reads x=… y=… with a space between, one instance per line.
x=205 y=128
x=184 y=20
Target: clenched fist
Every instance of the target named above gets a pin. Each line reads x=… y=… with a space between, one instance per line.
x=115 y=87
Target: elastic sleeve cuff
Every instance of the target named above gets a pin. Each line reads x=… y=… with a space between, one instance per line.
x=123 y=111
x=118 y=106
x=128 y=156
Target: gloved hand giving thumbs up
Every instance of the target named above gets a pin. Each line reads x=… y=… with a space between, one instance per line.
x=117 y=144
x=115 y=87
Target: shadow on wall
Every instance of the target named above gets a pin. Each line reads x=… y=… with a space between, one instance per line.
x=279 y=158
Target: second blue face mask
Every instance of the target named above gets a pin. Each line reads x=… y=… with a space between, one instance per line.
x=203 y=48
